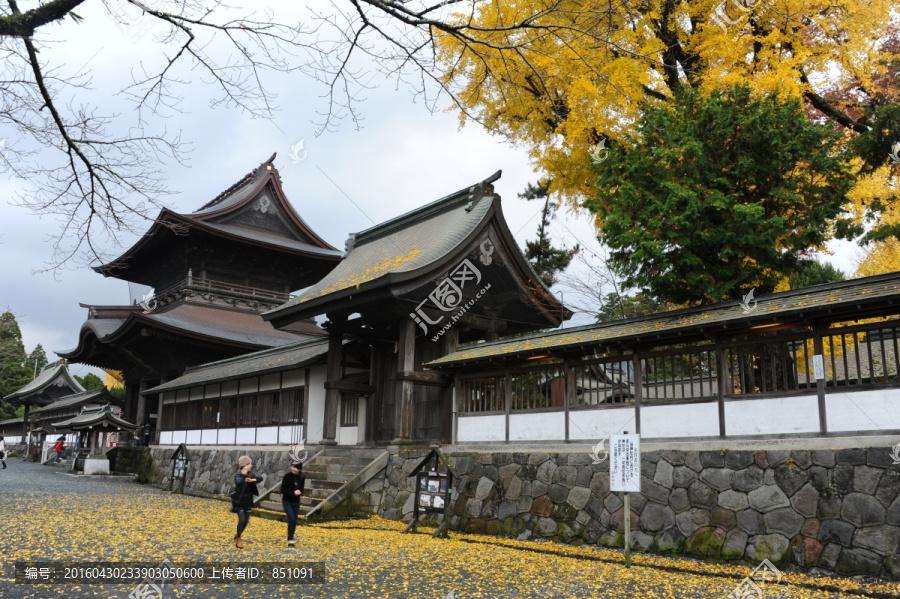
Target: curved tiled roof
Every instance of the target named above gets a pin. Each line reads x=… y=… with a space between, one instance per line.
x=58 y=373
x=832 y=302
x=286 y=357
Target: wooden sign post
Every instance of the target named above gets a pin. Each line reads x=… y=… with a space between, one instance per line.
x=625 y=476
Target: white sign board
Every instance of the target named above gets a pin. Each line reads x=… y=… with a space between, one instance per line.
x=818 y=367
x=625 y=463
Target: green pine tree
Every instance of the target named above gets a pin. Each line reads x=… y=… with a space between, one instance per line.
x=546 y=260
x=14 y=374
x=90 y=381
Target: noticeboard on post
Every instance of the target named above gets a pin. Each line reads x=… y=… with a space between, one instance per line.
x=625 y=463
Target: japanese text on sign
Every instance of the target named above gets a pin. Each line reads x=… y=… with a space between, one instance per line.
x=625 y=463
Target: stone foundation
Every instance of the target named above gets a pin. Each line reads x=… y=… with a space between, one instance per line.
x=828 y=510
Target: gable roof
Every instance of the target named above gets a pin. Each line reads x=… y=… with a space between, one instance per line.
x=832 y=302
x=259 y=192
x=92 y=416
x=56 y=375
x=406 y=247
x=77 y=398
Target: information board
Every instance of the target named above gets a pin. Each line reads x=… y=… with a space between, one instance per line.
x=625 y=463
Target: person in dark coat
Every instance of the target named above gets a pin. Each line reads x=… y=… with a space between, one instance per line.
x=291 y=490
x=242 y=498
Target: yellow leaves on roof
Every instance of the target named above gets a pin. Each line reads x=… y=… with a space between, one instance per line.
x=368 y=272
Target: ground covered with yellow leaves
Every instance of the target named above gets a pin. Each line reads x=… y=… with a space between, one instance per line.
x=47 y=515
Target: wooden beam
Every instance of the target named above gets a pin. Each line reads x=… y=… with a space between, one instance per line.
x=350 y=387
x=424 y=378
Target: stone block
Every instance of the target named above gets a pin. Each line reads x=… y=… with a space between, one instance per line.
x=641 y=542
x=805 y=552
x=524 y=503
x=585 y=474
x=823 y=457
x=546 y=527
x=810 y=528
x=546 y=471
x=594 y=507
x=542 y=506
x=638 y=502
x=682 y=476
x=701 y=495
x=578 y=497
x=537 y=459
x=664 y=474
x=802 y=459
x=557 y=493
x=738 y=460
x=578 y=459
x=828 y=559
x=888 y=487
x=784 y=521
x=751 y=522
x=654 y=491
x=893 y=513
x=768 y=498
x=692 y=520
x=617 y=520
x=840 y=479
x=866 y=479
x=829 y=507
x=612 y=502
x=735 y=544
x=508 y=471
x=880 y=457
x=656 y=518
x=565 y=476
x=679 y=501
x=883 y=539
x=862 y=510
x=600 y=484
x=692 y=461
x=712 y=459
x=485 y=486
x=760 y=459
x=491 y=472
x=717 y=478
x=856 y=561
x=777 y=457
x=583 y=518
x=790 y=478
x=773 y=547
x=705 y=543
x=501 y=458
x=648 y=469
x=733 y=500
x=806 y=501
x=669 y=541
x=836 y=531
x=673 y=457
x=507 y=509
x=722 y=518
x=851 y=457
x=747 y=479
x=563 y=512
x=514 y=489
x=593 y=531
x=538 y=488
x=651 y=457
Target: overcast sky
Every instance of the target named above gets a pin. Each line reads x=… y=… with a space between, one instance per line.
x=403 y=157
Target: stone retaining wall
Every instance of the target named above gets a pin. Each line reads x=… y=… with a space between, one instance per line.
x=836 y=511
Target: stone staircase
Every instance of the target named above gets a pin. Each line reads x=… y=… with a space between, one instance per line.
x=331 y=476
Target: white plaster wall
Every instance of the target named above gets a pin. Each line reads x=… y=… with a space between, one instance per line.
x=480 y=428
x=193 y=437
x=600 y=424
x=229 y=388
x=361 y=435
x=165 y=438
x=249 y=385
x=196 y=392
x=347 y=435
x=878 y=409
x=772 y=416
x=270 y=382
x=245 y=436
x=183 y=394
x=179 y=437
x=293 y=378
x=213 y=391
x=208 y=437
x=168 y=397
x=685 y=420
x=543 y=426
x=226 y=436
x=267 y=435
x=316 y=397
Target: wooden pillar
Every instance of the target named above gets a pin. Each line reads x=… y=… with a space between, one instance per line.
x=450 y=343
x=332 y=394
x=141 y=404
x=720 y=380
x=406 y=362
x=638 y=391
x=819 y=349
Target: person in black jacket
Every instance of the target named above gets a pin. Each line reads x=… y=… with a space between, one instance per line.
x=244 y=490
x=291 y=490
